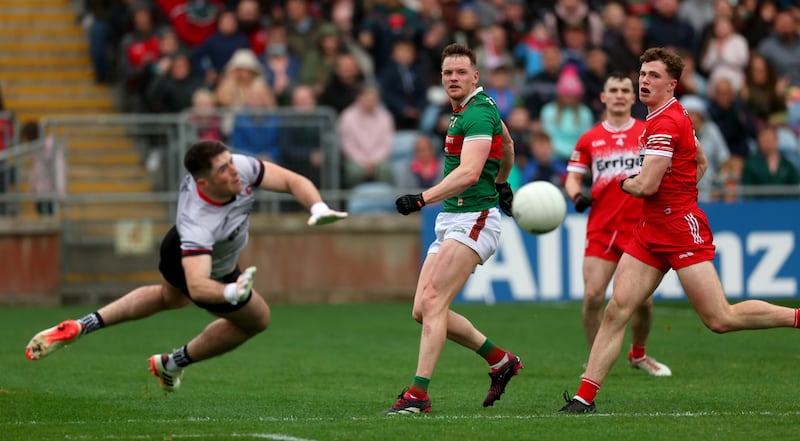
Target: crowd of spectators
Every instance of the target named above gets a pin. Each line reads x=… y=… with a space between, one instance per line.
x=376 y=63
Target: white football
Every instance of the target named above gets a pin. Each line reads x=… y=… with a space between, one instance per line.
x=539 y=207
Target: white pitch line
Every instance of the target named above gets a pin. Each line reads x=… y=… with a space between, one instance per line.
x=270 y=436
x=700 y=414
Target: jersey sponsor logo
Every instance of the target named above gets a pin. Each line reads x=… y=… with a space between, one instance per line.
x=453 y=144
x=619 y=163
x=685 y=255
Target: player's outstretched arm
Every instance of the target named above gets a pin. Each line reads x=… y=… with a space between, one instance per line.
x=277 y=178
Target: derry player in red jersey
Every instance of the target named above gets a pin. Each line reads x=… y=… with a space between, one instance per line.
x=610 y=151
x=672 y=233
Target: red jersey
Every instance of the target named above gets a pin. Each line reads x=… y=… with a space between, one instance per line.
x=610 y=154
x=669 y=132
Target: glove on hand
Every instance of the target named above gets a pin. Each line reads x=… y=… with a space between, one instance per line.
x=409 y=203
x=506 y=198
x=581 y=202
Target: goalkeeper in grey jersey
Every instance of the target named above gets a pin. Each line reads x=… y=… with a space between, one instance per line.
x=199 y=258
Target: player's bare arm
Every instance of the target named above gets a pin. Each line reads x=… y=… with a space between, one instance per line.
x=646 y=183
x=507 y=162
x=702 y=161
x=277 y=178
x=473 y=157
x=573 y=184
x=198 y=279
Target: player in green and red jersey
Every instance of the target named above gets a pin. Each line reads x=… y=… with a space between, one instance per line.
x=479 y=153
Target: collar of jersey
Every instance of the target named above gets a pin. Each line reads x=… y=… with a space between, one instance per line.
x=466 y=100
x=211 y=202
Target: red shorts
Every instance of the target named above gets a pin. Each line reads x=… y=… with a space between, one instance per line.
x=607 y=245
x=676 y=244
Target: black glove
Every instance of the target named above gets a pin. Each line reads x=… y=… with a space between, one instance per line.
x=506 y=197
x=409 y=203
x=622 y=182
x=581 y=202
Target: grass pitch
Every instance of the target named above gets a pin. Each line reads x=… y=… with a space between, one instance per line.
x=325 y=372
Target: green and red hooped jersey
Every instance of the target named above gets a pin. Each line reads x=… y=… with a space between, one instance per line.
x=477 y=118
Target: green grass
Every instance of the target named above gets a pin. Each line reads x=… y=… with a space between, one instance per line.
x=324 y=372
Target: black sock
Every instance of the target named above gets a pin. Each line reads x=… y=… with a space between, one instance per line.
x=181 y=357
x=90 y=323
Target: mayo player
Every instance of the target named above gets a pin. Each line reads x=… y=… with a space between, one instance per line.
x=610 y=152
x=479 y=154
x=199 y=261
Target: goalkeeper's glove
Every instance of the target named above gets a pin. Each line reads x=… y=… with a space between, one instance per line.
x=321 y=214
x=506 y=198
x=409 y=203
x=239 y=292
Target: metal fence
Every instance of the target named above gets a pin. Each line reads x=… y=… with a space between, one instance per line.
x=129 y=166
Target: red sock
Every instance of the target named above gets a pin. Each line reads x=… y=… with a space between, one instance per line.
x=636 y=353
x=797 y=318
x=491 y=353
x=588 y=390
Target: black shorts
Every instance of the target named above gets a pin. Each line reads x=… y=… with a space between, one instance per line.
x=171 y=268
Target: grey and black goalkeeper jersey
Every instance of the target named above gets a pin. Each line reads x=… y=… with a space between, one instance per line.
x=207 y=227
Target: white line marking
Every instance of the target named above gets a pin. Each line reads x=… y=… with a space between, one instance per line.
x=700 y=414
x=270 y=436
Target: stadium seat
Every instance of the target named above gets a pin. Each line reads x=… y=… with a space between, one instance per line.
x=372 y=198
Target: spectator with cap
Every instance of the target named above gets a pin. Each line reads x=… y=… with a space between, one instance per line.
x=242 y=71
x=566 y=117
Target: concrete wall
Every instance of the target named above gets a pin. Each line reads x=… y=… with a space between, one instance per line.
x=364 y=258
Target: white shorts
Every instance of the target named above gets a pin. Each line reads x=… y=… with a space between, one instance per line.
x=479 y=230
